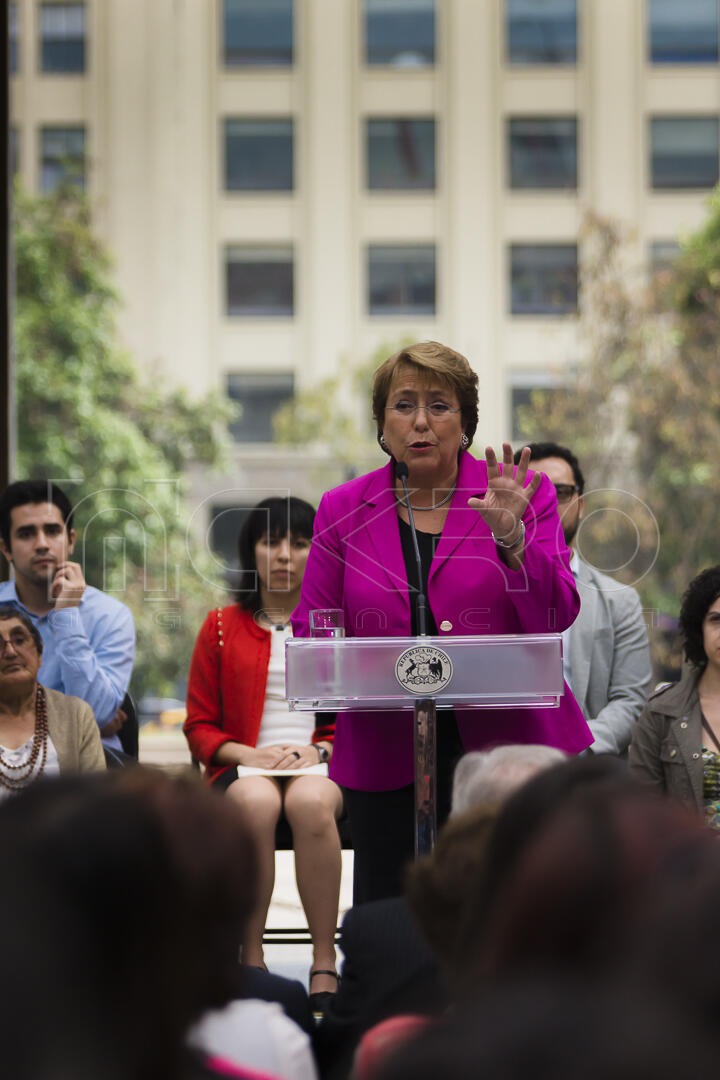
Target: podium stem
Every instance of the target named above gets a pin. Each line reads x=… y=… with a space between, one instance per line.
x=425 y=776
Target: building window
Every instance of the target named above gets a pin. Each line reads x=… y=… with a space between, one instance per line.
x=260 y=281
x=62 y=38
x=543 y=279
x=685 y=33
x=13 y=32
x=259 y=396
x=401 y=279
x=684 y=152
x=523 y=386
x=400 y=155
x=663 y=254
x=520 y=399
x=62 y=154
x=258 y=33
x=400 y=32
x=259 y=155
x=542 y=152
x=541 y=31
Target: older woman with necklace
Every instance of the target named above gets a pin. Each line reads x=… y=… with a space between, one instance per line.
x=41 y=731
x=493 y=562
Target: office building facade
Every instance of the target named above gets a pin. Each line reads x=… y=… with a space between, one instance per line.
x=283 y=183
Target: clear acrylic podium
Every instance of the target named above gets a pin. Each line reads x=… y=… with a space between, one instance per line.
x=425 y=674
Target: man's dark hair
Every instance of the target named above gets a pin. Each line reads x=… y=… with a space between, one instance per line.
x=540 y=450
x=699 y=595
x=275 y=518
x=23 y=492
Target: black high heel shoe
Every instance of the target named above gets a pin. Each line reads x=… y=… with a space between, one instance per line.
x=320 y=1001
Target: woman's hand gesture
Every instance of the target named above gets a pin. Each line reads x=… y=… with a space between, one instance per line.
x=507 y=497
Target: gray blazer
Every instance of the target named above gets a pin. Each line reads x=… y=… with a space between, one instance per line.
x=609 y=658
x=666 y=750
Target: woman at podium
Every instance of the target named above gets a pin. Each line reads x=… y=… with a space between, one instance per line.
x=493 y=560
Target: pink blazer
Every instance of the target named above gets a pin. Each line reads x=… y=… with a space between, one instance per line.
x=356 y=563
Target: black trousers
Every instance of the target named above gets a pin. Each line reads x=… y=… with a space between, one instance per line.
x=382 y=823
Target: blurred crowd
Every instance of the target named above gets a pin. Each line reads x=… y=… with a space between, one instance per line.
x=564 y=926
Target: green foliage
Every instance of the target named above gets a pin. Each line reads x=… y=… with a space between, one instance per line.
x=116 y=443
x=643 y=413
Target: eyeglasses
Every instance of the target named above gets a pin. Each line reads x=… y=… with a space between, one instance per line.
x=565 y=492
x=437 y=409
x=18 y=639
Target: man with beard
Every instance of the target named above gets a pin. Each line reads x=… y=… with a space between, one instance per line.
x=606 y=652
x=88 y=636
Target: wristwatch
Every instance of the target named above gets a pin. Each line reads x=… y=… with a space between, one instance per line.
x=323 y=753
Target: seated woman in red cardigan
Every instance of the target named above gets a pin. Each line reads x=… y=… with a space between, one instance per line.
x=239 y=726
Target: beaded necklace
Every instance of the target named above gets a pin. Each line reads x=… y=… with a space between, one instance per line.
x=20 y=775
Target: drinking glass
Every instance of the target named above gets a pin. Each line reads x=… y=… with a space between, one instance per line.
x=327 y=622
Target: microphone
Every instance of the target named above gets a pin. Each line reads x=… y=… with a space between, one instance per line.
x=402 y=472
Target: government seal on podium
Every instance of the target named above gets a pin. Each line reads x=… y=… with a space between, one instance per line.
x=424 y=670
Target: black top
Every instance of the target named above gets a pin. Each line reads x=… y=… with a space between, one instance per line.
x=449 y=746
x=427 y=543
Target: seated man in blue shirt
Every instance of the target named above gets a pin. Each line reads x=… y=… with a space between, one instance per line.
x=88 y=637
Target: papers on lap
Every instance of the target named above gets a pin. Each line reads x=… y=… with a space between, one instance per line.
x=311 y=770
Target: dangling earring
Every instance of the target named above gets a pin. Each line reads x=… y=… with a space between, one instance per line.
x=464 y=442
x=381 y=440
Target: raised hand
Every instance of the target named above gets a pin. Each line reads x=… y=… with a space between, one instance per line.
x=507 y=495
x=68 y=585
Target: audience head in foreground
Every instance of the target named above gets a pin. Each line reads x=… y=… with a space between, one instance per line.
x=489 y=777
x=167 y=862
x=586 y=946
x=547 y=1029
x=571 y=866
x=435 y=885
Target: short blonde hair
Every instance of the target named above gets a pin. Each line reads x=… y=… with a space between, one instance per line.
x=432 y=358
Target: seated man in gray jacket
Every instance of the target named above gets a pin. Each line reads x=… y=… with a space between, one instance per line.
x=607 y=657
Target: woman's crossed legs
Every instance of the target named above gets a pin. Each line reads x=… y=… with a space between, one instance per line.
x=312 y=805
